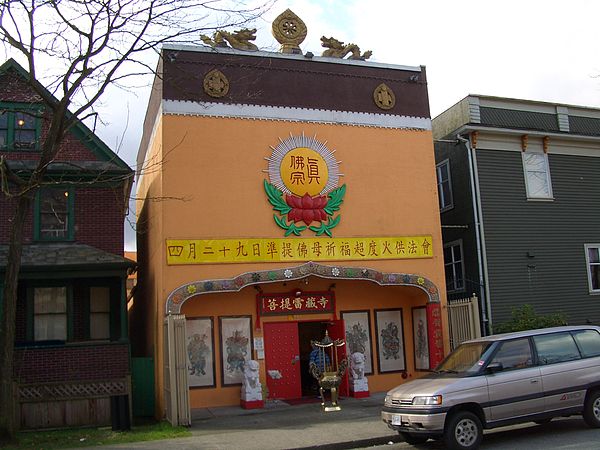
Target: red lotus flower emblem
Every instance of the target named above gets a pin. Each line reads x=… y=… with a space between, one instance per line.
x=306 y=209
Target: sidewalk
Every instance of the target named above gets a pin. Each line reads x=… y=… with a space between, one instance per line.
x=281 y=426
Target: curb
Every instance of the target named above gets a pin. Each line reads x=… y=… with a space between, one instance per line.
x=371 y=442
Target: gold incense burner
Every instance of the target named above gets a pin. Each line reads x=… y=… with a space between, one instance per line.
x=328 y=369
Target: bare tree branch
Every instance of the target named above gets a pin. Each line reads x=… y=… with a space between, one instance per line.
x=75 y=50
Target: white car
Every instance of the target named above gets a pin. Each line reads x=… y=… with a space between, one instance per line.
x=527 y=376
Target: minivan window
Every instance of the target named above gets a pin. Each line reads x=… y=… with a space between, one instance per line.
x=514 y=354
x=466 y=357
x=556 y=347
x=588 y=341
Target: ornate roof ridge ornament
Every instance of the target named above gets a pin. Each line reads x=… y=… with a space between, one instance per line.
x=240 y=39
x=337 y=49
x=290 y=31
x=216 y=84
x=384 y=97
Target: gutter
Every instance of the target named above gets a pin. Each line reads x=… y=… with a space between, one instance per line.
x=479 y=236
x=519 y=132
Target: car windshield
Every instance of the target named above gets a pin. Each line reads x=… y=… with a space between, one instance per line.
x=467 y=358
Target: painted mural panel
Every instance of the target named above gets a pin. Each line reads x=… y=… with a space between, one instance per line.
x=358 y=335
x=200 y=352
x=390 y=340
x=236 y=347
x=420 y=338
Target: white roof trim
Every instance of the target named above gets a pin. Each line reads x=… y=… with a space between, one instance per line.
x=244 y=111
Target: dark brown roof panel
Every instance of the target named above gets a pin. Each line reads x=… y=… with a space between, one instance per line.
x=294 y=81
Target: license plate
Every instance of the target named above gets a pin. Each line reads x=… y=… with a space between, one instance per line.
x=396 y=419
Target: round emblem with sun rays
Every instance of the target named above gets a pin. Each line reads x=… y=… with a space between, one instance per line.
x=303 y=186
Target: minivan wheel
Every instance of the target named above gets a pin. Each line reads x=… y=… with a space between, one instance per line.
x=591 y=410
x=463 y=431
x=413 y=439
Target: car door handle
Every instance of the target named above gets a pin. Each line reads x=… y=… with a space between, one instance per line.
x=534 y=381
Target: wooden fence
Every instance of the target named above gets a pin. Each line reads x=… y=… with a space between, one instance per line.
x=56 y=405
x=463 y=320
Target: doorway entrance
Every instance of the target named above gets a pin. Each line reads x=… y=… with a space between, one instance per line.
x=287 y=356
x=309 y=331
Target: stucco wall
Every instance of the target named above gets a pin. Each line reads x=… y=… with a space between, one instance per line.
x=213 y=177
x=350 y=296
x=208 y=177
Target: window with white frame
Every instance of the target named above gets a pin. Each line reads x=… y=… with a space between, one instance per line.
x=100 y=312
x=50 y=313
x=444 y=184
x=537 y=175
x=454 y=266
x=592 y=258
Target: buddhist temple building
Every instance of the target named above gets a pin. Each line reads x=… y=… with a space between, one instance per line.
x=283 y=196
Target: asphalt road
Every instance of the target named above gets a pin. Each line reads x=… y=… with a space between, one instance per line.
x=560 y=434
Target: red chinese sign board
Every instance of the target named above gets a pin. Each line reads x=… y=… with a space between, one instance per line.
x=436 y=342
x=295 y=302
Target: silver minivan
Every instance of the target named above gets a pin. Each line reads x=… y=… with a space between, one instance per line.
x=527 y=376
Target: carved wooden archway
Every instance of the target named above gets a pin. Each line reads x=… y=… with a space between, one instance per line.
x=180 y=295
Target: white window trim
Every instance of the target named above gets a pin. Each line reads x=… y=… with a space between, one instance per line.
x=450 y=204
x=591 y=290
x=458 y=243
x=548 y=177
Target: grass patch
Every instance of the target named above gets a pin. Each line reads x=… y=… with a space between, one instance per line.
x=88 y=437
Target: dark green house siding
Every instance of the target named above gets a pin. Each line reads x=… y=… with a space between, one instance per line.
x=535 y=249
x=458 y=222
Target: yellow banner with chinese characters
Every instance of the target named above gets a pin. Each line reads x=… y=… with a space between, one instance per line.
x=217 y=251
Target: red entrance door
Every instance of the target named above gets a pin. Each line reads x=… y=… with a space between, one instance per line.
x=337 y=330
x=282 y=360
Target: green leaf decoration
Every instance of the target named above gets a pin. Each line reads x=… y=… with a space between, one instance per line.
x=335 y=200
x=289 y=229
x=295 y=229
x=325 y=228
x=335 y=222
x=275 y=197
x=280 y=221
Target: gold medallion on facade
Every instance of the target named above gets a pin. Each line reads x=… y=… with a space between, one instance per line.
x=290 y=31
x=216 y=84
x=384 y=97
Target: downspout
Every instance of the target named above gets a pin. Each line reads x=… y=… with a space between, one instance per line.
x=479 y=236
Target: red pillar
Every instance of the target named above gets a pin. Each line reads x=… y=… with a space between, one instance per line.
x=434 y=333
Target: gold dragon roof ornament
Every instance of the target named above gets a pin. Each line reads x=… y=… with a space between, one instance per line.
x=290 y=31
x=337 y=49
x=240 y=39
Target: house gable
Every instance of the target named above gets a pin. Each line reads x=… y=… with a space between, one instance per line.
x=80 y=144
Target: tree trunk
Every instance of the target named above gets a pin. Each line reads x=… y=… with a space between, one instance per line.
x=8 y=413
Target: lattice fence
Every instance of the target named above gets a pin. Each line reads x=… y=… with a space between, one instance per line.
x=71 y=391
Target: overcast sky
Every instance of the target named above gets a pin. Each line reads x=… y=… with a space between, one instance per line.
x=538 y=50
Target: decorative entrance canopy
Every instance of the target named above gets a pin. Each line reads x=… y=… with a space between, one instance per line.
x=180 y=295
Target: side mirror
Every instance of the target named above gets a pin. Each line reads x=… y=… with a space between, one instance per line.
x=494 y=367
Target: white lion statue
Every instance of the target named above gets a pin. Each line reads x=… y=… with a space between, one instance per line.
x=251 y=376
x=357 y=365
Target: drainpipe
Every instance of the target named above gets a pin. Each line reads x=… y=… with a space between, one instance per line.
x=479 y=236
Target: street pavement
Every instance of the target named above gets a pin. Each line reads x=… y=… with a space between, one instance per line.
x=281 y=426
